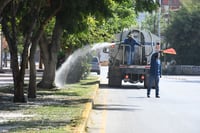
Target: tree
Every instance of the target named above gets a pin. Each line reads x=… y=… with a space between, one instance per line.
x=48 y=58
x=3 y=4
x=50 y=11
x=10 y=27
x=183 y=34
x=21 y=20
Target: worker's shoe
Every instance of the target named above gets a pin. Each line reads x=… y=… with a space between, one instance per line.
x=157 y=96
x=148 y=96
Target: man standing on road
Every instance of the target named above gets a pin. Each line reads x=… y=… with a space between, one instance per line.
x=155 y=74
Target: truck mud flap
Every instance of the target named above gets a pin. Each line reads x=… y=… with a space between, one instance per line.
x=114 y=75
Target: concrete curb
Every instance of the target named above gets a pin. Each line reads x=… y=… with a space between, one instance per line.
x=86 y=112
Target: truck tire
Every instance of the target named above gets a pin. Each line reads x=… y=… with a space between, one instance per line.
x=114 y=82
x=114 y=76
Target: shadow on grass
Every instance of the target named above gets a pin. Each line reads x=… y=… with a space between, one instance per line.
x=46 y=124
x=58 y=93
x=62 y=100
x=91 y=83
x=6 y=100
x=44 y=98
x=10 y=106
x=46 y=104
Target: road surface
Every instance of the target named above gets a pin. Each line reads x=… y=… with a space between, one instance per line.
x=128 y=110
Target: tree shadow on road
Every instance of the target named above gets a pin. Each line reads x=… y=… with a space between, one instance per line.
x=115 y=107
x=125 y=87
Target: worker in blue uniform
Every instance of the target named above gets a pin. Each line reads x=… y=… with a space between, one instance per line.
x=130 y=41
x=155 y=74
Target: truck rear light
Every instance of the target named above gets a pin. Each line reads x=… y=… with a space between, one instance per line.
x=142 y=77
x=112 y=46
x=147 y=66
x=126 y=77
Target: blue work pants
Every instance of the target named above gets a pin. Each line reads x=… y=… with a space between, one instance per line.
x=130 y=55
x=156 y=79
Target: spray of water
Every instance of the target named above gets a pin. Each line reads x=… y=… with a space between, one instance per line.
x=62 y=72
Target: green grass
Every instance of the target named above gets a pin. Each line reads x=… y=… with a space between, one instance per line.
x=53 y=111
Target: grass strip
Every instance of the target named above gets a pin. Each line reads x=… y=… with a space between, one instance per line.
x=53 y=111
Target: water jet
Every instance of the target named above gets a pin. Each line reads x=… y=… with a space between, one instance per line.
x=62 y=72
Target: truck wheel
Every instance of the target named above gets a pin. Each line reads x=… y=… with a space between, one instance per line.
x=98 y=72
x=114 y=76
x=115 y=82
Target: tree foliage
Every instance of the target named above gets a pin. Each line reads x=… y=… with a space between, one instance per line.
x=121 y=15
x=146 y=5
x=151 y=23
x=3 y=4
x=183 y=34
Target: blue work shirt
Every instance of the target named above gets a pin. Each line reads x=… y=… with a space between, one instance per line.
x=155 y=68
x=131 y=42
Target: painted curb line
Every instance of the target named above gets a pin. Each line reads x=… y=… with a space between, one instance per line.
x=86 y=112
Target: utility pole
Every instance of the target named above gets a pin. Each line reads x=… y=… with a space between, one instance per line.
x=1 y=47
x=159 y=14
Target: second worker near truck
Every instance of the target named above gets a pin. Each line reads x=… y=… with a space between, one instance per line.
x=131 y=42
x=155 y=74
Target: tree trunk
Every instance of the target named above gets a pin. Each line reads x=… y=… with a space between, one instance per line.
x=47 y=81
x=11 y=38
x=40 y=61
x=24 y=59
x=32 y=77
x=3 y=4
x=18 y=80
x=50 y=57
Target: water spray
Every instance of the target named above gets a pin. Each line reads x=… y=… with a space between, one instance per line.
x=62 y=72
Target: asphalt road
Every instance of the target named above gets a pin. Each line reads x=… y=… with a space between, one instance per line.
x=128 y=110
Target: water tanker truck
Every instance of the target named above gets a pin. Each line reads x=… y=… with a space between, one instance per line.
x=119 y=70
